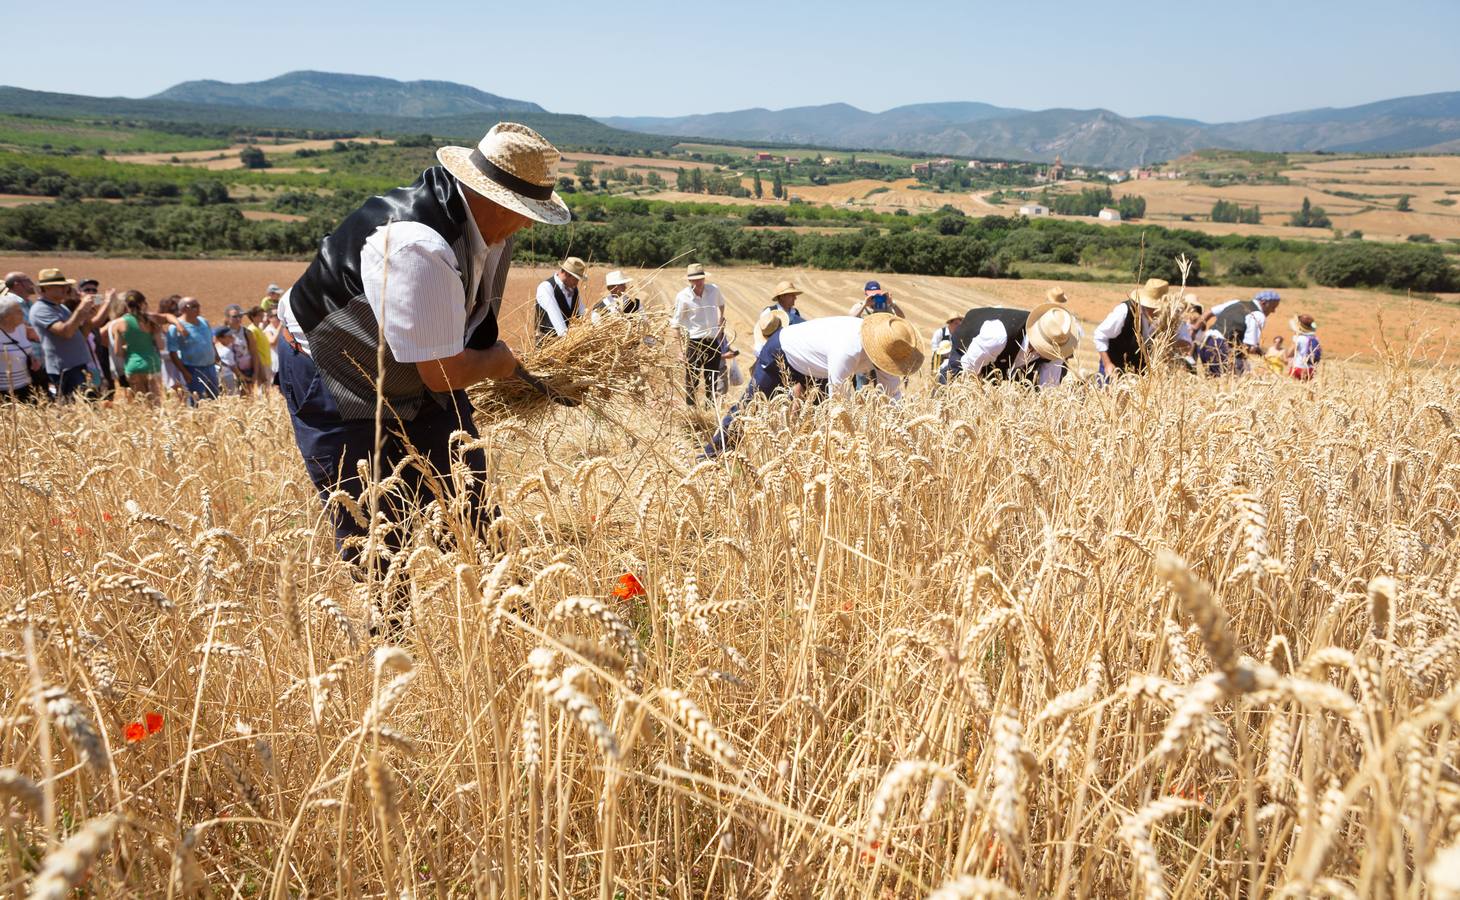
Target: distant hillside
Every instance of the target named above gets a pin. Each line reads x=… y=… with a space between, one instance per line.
x=566 y=131
x=333 y=92
x=1090 y=137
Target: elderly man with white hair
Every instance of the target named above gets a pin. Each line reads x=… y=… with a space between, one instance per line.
x=17 y=357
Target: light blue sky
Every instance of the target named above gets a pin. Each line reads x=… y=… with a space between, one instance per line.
x=1217 y=61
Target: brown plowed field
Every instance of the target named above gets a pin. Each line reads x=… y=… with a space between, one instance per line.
x=1349 y=318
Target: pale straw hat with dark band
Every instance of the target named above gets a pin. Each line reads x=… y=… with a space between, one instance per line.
x=515 y=168
x=771 y=321
x=1053 y=332
x=892 y=344
x=1153 y=294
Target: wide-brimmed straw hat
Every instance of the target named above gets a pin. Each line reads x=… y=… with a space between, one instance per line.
x=52 y=277
x=1055 y=295
x=945 y=347
x=694 y=272
x=514 y=167
x=892 y=344
x=1152 y=294
x=616 y=277
x=575 y=267
x=1303 y=325
x=771 y=321
x=1052 y=331
x=784 y=288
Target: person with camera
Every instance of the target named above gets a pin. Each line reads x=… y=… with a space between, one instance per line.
x=64 y=319
x=875 y=300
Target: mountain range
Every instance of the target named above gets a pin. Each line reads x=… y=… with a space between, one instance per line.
x=331 y=103
x=1430 y=123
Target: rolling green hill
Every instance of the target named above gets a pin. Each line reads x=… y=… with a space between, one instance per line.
x=364 y=94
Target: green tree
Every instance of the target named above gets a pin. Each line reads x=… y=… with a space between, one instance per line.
x=1310 y=216
x=757 y=189
x=1403 y=204
x=696 y=181
x=584 y=169
x=253 y=158
x=778 y=188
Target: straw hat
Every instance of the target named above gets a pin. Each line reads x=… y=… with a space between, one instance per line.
x=694 y=272
x=1052 y=331
x=514 y=167
x=1152 y=294
x=52 y=277
x=892 y=344
x=1303 y=325
x=616 y=277
x=1055 y=295
x=784 y=288
x=575 y=267
x=771 y=321
x=945 y=347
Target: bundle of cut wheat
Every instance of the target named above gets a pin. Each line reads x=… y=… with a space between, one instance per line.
x=618 y=357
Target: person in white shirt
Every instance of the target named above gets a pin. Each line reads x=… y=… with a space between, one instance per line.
x=557 y=298
x=17 y=360
x=1123 y=339
x=1241 y=322
x=1307 y=352
x=826 y=355
x=618 y=299
x=425 y=266
x=699 y=312
x=940 y=348
x=1011 y=344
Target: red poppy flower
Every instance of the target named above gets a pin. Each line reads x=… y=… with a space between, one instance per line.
x=80 y=532
x=628 y=587
x=134 y=732
x=154 y=722
x=55 y=521
x=106 y=517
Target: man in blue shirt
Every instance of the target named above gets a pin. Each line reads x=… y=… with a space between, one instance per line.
x=64 y=319
x=190 y=345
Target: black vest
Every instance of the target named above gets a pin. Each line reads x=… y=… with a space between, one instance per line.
x=1128 y=349
x=974 y=320
x=567 y=303
x=328 y=301
x=1232 y=321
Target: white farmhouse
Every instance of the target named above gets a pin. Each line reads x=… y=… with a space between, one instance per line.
x=1033 y=209
x=1109 y=215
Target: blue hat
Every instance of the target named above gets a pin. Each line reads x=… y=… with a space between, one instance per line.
x=872 y=286
x=220 y=331
x=1268 y=297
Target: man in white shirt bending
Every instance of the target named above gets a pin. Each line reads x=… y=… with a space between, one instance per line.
x=826 y=355
x=699 y=312
x=557 y=298
x=1013 y=345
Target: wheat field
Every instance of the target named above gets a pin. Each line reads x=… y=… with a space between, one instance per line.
x=1172 y=638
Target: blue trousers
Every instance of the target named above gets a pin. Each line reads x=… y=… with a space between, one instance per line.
x=770 y=373
x=331 y=445
x=202 y=382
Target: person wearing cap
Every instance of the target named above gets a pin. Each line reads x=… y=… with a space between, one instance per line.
x=1307 y=352
x=1123 y=338
x=875 y=299
x=618 y=299
x=231 y=379
x=271 y=298
x=557 y=298
x=190 y=348
x=1003 y=344
x=784 y=299
x=827 y=354
x=699 y=312
x=64 y=319
x=1240 y=323
x=425 y=266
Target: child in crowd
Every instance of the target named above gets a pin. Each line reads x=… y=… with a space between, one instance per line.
x=1306 y=350
x=229 y=377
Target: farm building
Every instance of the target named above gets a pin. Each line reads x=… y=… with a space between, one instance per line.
x=1109 y=215
x=763 y=157
x=1033 y=209
x=920 y=168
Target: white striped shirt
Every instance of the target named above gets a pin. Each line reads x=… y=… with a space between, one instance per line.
x=14 y=359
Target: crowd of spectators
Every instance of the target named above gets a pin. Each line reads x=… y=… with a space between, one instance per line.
x=64 y=339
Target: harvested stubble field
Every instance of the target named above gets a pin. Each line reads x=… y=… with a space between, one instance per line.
x=1178 y=637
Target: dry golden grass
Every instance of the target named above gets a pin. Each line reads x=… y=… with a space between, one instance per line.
x=1178 y=637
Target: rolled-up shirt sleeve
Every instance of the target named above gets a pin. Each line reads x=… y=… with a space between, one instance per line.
x=1110 y=328
x=1253 y=337
x=425 y=307
x=985 y=347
